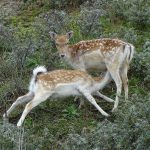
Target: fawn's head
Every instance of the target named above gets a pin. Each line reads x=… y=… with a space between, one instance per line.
x=62 y=42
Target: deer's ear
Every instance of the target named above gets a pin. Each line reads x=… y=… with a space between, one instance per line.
x=69 y=34
x=52 y=35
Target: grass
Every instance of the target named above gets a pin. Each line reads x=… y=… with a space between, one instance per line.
x=49 y=120
x=52 y=114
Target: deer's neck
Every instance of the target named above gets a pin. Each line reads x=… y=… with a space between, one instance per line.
x=100 y=82
x=73 y=50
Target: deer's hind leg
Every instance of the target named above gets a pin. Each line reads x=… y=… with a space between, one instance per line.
x=104 y=97
x=81 y=100
x=115 y=74
x=20 y=100
x=38 y=98
x=124 y=77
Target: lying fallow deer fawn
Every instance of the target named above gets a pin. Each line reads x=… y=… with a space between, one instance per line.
x=60 y=83
x=112 y=55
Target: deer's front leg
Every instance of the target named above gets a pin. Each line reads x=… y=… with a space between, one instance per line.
x=104 y=97
x=81 y=99
x=91 y=99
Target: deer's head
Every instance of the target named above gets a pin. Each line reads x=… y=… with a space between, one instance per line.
x=62 y=43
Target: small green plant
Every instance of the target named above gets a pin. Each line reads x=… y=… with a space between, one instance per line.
x=70 y=112
x=28 y=121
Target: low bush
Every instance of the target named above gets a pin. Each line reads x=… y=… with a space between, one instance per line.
x=130 y=129
x=141 y=64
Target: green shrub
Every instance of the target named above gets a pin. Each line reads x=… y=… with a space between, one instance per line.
x=130 y=129
x=136 y=11
x=141 y=64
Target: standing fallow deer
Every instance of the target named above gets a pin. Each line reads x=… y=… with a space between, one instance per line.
x=113 y=55
x=60 y=83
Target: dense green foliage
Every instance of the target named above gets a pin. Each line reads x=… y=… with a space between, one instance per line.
x=25 y=43
x=130 y=129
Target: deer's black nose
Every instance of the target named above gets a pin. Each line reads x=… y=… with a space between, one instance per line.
x=62 y=55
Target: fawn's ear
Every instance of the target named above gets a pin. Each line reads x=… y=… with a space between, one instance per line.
x=52 y=35
x=69 y=34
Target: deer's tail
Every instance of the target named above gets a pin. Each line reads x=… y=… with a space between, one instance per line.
x=38 y=70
